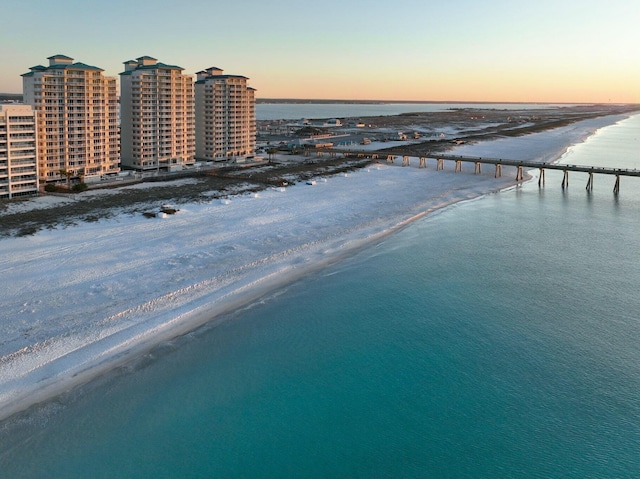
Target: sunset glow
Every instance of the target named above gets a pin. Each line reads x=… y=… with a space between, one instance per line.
x=546 y=51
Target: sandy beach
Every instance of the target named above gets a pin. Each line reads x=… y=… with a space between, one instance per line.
x=81 y=299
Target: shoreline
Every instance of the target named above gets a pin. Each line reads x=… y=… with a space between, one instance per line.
x=44 y=388
x=210 y=300
x=121 y=352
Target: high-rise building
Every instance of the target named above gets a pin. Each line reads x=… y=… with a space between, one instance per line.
x=77 y=129
x=18 y=151
x=225 y=116
x=157 y=115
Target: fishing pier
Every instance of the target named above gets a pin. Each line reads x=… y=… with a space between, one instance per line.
x=498 y=163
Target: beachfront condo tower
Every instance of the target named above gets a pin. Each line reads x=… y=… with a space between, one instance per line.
x=77 y=120
x=157 y=116
x=225 y=116
x=18 y=151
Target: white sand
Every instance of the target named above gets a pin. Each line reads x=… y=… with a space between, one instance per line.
x=78 y=301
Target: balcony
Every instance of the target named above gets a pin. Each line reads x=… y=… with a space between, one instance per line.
x=23 y=178
x=29 y=186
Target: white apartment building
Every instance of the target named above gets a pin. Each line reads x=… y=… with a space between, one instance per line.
x=18 y=151
x=225 y=116
x=77 y=127
x=157 y=115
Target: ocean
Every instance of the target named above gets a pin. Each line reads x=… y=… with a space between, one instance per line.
x=495 y=338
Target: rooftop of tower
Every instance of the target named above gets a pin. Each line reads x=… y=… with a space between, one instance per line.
x=146 y=63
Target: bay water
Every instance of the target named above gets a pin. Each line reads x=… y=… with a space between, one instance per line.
x=296 y=111
x=495 y=338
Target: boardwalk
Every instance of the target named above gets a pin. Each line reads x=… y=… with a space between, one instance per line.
x=498 y=163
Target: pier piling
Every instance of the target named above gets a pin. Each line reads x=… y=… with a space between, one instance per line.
x=590 y=182
x=498 y=162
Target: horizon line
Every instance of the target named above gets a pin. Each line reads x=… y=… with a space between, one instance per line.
x=366 y=101
x=347 y=100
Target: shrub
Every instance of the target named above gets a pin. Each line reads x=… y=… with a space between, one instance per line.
x=80 y=187
x=50 y=188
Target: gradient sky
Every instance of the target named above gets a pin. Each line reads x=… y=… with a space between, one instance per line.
x=446 y=50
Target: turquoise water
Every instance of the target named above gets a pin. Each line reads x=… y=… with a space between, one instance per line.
x=497 y=338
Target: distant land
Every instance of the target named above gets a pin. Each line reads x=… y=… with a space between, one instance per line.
x=18 y=97
x=381 y=102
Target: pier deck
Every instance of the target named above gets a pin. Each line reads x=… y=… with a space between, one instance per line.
x=497 y=162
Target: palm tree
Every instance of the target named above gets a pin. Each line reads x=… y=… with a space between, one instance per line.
x=68 y=174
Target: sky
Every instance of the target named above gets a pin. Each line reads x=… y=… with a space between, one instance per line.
x=572 y=51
